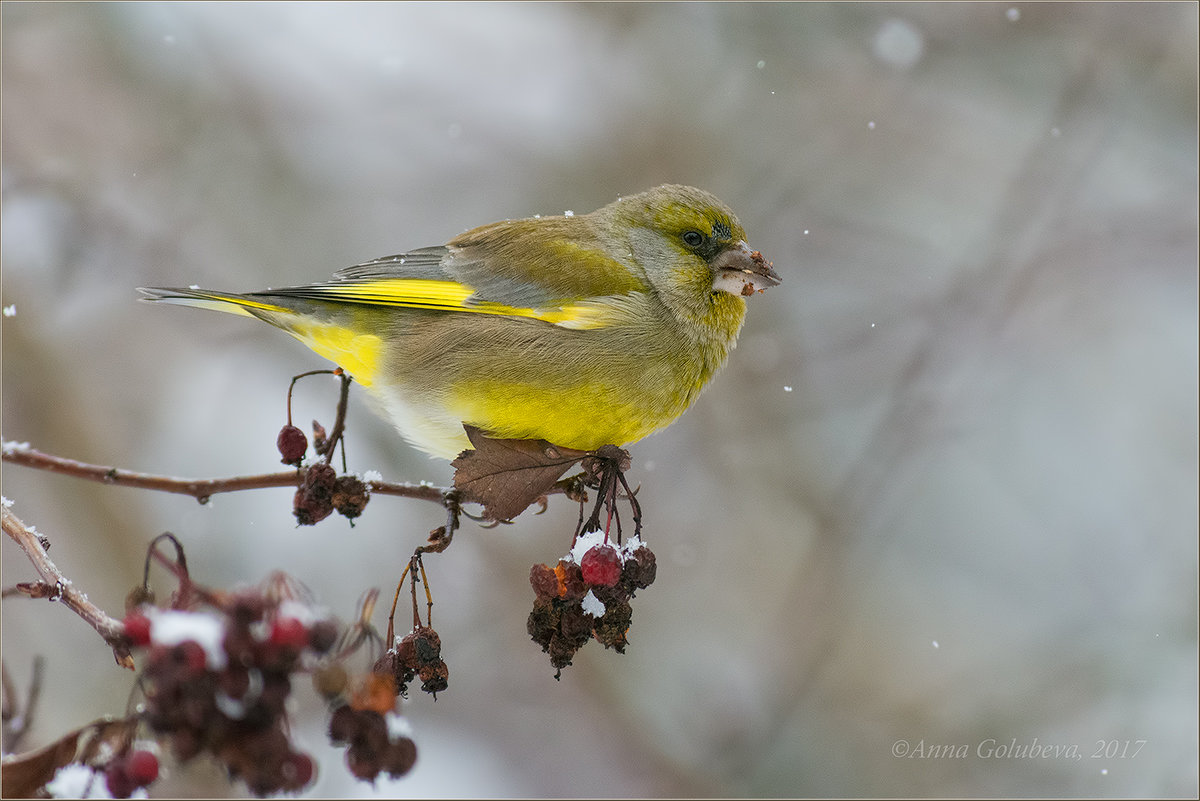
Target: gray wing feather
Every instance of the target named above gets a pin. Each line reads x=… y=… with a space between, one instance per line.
x=440 y=263
x=427 y=263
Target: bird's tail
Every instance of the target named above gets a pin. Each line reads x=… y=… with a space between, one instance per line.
x=343 y=339
x=228 y=302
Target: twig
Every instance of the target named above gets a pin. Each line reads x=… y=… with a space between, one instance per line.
x=200 y=489
x=17 y=721
x=339 y=422
x=61 y=588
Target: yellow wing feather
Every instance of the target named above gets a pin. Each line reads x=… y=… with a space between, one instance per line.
x=424 y=293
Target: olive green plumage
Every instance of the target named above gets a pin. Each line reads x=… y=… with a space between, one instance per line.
x=581 y=330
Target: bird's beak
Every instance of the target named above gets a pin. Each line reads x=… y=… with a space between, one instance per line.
x=739 y=270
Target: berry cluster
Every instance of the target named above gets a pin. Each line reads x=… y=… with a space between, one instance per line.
x=130 y=771
x=378 y=742
x=216 y=680
x=323 y=491
x=417 y=654
x=587 y=595
x=366 y=719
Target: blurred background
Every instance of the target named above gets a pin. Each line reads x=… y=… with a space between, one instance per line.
x=945 y=491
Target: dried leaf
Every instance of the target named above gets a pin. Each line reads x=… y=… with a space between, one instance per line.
x=24 y=775
x=508 y=475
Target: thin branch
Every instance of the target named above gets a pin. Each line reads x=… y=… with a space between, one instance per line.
x=58 y=587
x=200 y=489
x=18 y=720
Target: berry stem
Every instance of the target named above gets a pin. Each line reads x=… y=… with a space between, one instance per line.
x=296 y=378
x=339 y=423
x=180 y=567
x=633 y=504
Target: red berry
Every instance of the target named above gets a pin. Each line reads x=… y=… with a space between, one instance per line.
x=142 y=767
x=292 y=444
x=137 y=628
x=601 y=566
x=289 y=632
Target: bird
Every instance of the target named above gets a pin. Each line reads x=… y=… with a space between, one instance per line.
x=582 y=330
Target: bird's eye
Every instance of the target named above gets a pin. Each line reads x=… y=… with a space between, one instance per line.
x=693 y=239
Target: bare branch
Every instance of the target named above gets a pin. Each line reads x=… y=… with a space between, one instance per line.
x=201 y=489
x=62 y=588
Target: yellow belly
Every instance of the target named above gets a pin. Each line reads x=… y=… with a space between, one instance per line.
x=583 y=417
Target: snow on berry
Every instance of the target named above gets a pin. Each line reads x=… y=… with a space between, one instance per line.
x=592 y=605
x=172 y=627
x=584 y=543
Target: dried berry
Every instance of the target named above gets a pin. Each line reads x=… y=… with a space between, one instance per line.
x=309 y=512
x=292 y=445
x=640 y=569
x=117 y=778
x=350 y=496
x=542 y=623
x=320 y=480
x=343 y=725
x=323 y=635
x=377 y=692
x=435 y=677
x=314 y=499
x=298 y=771
x=575 y=625
x=611 y=628
x=418 y=655
x=373 y=744
x=571 y=586
x=544 y=582
x=141 y=595
x=331 y=682
x=400 y=757
x=247 y=606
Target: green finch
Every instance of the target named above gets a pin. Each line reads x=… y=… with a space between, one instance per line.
x=581 y=330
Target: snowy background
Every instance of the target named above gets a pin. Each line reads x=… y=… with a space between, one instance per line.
x=944 y=492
